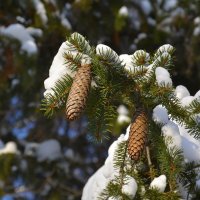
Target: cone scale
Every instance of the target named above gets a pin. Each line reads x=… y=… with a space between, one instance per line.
x=137 y=134
x=78 y=94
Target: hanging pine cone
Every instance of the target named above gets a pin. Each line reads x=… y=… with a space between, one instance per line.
x=79 y=91
x=137 y=134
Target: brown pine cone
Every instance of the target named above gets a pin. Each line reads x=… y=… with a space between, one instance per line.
x=78 y=94
x=137 y=134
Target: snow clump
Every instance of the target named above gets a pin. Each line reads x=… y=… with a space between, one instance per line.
x=159 y=183
x=163 y=77
x=99 y=180
x=10 y=147
x=23 y=35
x=40 y=9
x=160 y=115
x=123 y=115
x=123 y=11
x=127 y=62
x=102 y=50
x=130 y=188
x=60 y=68
x=49 y=150
x=181 y=92
x=180 y=136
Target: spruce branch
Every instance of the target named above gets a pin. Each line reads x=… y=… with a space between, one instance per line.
x=138 y=73
x=154 y=95
x=58 y=98
x=80 y=44
x=181 y=114
x=73 y=60
x=194 y=107
x=101 y=113
x=171 y=160
x=140 y=58
x=119 y=160
x=114 y=187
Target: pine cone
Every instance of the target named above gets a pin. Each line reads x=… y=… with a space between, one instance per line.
x=137 y=134
x=76 y=100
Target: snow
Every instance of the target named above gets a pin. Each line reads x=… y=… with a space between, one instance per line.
x=123 y=11
x=159 y=183
x=197 y=95
x=198 y=183
x=130 y=188
x=91 y=190
x=20 y=19
x=58 y=69
x=146 y=6
x=40 y=10
x=102 y=49
x=121 y=119
x=51 y=82
x=86 y=60
x=127 y=62
x=122 y=110
x=20 y=33
x=10 y=147
x=160 y=115
x=179 y=136
x=151 y=21
x=171 y=130
x=77 y=35
x=58 y=64
x=31 y=148
x=141 y=54
x=196 y=31
x=181 y=92
x=114 y=198
x=30 y=47
x=140 y=37
x=99 y=180
x=37 y=32
x=166 y=48
x=163 y=76
x=69 y=154
x=49 y=150
x=169 y=4
x=123 y=115
x=64 y=21
x=197 y=20
x=186 y=101
x=17 y=31
x=1 y=144
x=161 y=58
x=182 y=191
x=190 y=150
x=190 y=146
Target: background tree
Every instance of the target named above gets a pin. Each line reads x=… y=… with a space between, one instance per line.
x=26 y=54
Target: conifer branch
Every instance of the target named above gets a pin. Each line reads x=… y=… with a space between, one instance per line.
x=73 y=61
x=58 y=98
x=80 y=44
x=119 y=160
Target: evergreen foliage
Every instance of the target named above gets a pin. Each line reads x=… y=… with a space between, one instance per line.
x=114 y=85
